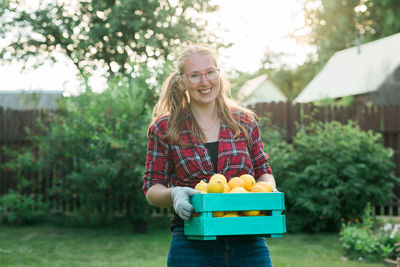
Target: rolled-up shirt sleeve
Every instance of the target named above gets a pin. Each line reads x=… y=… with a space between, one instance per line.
x=259 y=157
x=158 y=166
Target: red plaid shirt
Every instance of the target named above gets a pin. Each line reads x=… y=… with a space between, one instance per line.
x=173 y=165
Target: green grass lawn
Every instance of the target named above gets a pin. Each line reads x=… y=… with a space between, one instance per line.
x=317 y=250
x=68 y=246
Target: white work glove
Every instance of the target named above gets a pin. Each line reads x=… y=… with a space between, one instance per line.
x=181 y=201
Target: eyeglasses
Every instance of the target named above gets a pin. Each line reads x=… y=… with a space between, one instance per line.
x=211 y=75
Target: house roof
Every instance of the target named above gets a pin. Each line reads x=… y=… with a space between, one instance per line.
x=349 y=72
x=26 y=100
x=258 y=90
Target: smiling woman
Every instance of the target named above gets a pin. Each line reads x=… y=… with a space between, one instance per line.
x=197 y=132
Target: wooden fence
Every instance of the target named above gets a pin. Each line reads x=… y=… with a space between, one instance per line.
x=385 y=120
x=13 y=136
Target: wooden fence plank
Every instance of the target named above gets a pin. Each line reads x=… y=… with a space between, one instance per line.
x=289 y=121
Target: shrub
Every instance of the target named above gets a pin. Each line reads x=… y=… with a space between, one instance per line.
x=277 y=148
x=332 y=172
x=17 y=209
x=366 y=240
x=98 y=148
x=95 y=149
x=359 y=243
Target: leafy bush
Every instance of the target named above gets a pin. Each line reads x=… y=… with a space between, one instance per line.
x=17 y=209
x=359 y=243
x=94 y=148
x=366 y=240
x=332 y=172
x=277 y=148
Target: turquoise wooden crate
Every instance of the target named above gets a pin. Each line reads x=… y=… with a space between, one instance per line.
x=206 y=227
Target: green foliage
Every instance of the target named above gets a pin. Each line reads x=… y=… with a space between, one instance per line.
x=378 y=19
x=330 y=166
x=100 y=148
x=104 y=33
x=17 y=209
x=346 y=101
x=335 y=24
x=332 y=25
x=367 y=240
x=95 y=150
x=277 y=148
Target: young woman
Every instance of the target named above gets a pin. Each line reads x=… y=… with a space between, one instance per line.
x=198 y=131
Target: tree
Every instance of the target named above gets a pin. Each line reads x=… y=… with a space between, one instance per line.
x=336 y=24
x=102 y=33
x=380 y=18
x=332 y=24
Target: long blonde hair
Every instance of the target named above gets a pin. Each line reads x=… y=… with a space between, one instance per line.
x=174 y=101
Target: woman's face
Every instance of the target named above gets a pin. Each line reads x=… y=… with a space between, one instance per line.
x=206 y=90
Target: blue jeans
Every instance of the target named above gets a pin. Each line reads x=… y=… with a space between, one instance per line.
x=228 y=251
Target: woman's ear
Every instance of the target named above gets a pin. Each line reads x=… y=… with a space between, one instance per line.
x=181 y=83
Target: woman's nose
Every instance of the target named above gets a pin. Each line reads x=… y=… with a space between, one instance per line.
x=204 y=79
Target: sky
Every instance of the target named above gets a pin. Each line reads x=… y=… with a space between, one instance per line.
x=253 y=26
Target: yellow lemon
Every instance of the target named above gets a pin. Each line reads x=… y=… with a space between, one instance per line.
x=232 y=212
x=238 y=190
x=226 y=188
x=202 y=187
x=248 y=180
x=218 y=213
x=266 y=185
x=230 y=215
x=258 y=188
x=251 y=212
x=218 y=177
x=215 y=187
x=235 y=182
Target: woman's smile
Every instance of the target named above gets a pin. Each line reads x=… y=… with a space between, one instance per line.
x=205 y=91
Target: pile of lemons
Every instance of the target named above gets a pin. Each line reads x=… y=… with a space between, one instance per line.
x=243 y=184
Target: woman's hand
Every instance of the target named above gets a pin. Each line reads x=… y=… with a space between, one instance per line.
x=181 y=201
x=270 y=179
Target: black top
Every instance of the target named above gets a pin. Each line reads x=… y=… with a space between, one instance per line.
x=213 y=150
